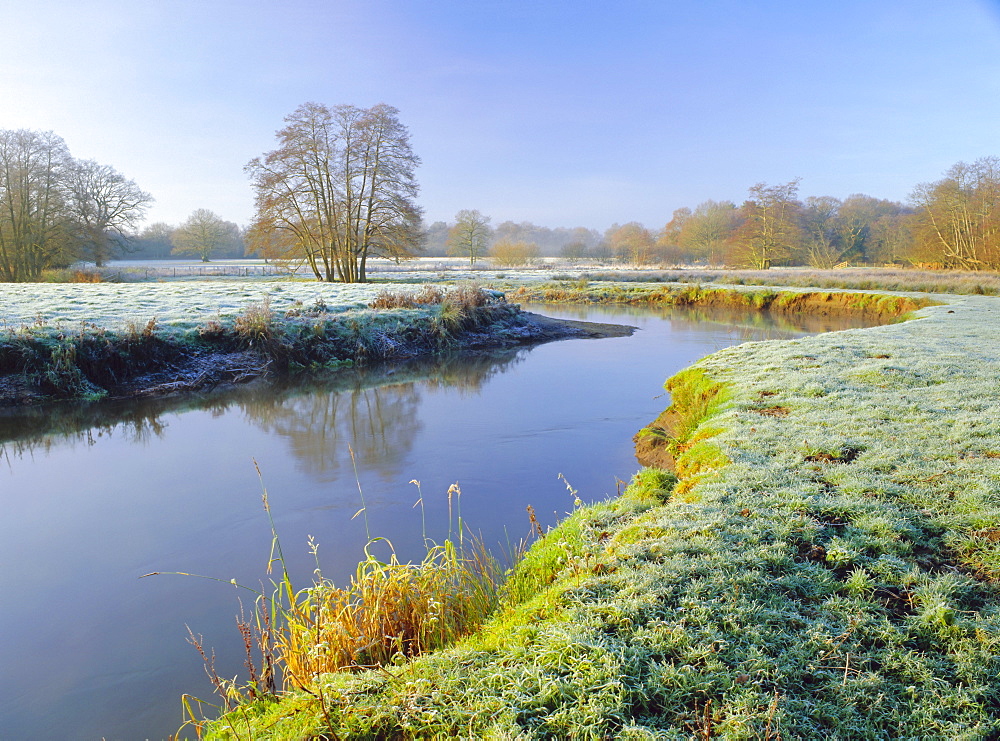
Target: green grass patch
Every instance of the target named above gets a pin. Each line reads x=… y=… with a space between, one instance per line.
x=852 y=279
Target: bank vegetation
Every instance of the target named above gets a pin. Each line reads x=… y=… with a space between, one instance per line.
x=43 y=361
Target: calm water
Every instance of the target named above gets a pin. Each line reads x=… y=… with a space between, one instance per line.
x=94 y=497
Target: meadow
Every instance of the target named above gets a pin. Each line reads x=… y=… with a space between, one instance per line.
x=175 y=305
x=822 y=560
x=855 y=279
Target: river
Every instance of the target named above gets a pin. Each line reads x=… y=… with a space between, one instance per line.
x=95 y=496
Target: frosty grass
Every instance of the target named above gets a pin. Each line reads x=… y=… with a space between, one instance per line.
x=179 y=305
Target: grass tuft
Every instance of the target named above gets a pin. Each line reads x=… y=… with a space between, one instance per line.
x=389 y=612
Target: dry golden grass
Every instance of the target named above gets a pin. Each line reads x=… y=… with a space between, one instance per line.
x=464 y=297
x=388 y=612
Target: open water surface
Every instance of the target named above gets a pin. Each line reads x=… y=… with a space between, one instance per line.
x=93 y=497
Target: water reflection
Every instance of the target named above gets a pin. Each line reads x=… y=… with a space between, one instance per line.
x=371 y=411
x=24 y=431
x=776 y=325
x=372 y=414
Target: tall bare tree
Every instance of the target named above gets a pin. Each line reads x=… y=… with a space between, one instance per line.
x=203 y=234
x=341 y=187
x=35 y=224
x=891 y=239
x=470 y=236
x=958 y=217
x=771 y=230
x=857 y=218
x=823 y=244
x=106 y=207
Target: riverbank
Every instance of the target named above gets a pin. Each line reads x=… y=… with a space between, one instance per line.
x=46 y=361
x=825 y=563
x=780 y=301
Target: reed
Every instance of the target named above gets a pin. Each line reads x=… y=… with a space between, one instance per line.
x=390 y=611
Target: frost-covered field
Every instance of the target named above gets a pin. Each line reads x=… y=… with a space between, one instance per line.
x=185 y=304
x=178 y=304
x=922 y=392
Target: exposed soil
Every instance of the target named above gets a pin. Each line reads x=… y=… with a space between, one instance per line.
x=652 y=443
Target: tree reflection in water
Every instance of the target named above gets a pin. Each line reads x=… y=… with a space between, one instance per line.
x=370 y=410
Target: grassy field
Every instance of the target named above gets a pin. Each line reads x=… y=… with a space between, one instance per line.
x=749 y=299
x=455 y=269
x=176 y=305
x=825 y=563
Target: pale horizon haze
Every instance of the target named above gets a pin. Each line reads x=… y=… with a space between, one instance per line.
x=560 y=113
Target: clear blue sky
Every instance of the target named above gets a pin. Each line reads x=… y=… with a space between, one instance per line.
x=562 y=113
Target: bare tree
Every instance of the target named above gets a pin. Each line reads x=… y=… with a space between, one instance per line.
x=706 y=232
x=823 y=245
x=958 y=218
x=770 y=231
x=35 y=227
x=341 y=188
x=508 y=253
x=631 y=243
x=106 y=207
x=668 y=239
x=54 y=209
x=891 y=239
x=203 y=234
x=470 y=236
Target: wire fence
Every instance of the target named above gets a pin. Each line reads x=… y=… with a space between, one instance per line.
x=194 y=271
x=147 y=271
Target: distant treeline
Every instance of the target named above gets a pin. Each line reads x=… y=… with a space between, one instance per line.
x=951 y=223
x=551 y=242
x=56 y=210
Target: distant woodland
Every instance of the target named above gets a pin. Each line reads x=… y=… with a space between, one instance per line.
x=56 y=210
x=951 y=223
